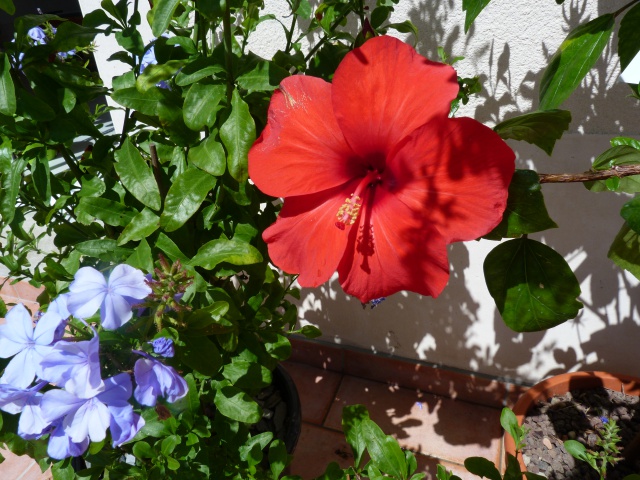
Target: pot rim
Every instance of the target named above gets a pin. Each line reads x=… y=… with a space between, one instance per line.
x=560 y=384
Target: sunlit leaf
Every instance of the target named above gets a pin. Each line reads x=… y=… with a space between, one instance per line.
x=525 y=211
x=184 y=197
x=573 y=59
x=238 y=134
x=532 y=285
x=539 y=128
x=200 y=105
x=136 y=175
x=629 y=36
x=473 y=9
x=625 y=250
x=161 y=14
x=234 y=251
x=7 y=90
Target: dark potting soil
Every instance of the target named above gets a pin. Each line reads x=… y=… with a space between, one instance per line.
x=578 y=415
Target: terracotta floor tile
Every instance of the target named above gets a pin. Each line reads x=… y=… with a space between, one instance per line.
x=21 y=468
x=327 y=357
x=26 y=291
x=429 y=465
x=8 y=289
x=317 y=389
x=433 y=425
x=317 y=448
x=425 y=378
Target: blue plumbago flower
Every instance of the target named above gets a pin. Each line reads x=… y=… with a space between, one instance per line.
x=155 y=379
x=38 y=35
x=163 y=346
x=87 y=419
x=376 y=301
x=604 y=419
x=61 y=446
x=26 y=344
x=90 y=291
x=74 y=366
x=27 y=402
x=59 y=306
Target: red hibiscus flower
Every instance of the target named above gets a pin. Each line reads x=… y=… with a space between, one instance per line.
x=377 y=179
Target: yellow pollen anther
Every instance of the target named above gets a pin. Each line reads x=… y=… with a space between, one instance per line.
x=349 y=211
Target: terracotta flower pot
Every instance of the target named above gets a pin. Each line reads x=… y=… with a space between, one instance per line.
x=561 y=384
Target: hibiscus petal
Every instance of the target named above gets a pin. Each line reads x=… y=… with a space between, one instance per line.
x=458 y=172
x=305 y=238
x=302 y=149
x=384 y=90
x=393 y=249
x=128 y=282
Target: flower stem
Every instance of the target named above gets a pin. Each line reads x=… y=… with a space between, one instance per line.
x=622 y=9
x=619 y=171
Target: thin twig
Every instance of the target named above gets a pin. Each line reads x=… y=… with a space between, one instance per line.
x=617 y=171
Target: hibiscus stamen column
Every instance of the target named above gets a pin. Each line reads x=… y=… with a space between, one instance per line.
x=350 y=209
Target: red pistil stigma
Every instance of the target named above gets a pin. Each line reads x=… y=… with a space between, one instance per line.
x=349 y=211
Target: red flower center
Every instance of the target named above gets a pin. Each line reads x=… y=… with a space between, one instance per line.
x=350 y=209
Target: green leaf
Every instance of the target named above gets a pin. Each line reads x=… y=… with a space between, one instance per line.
x=161 y=14
x=184 y=197
x=141 y=226
x=629 y=36
x=624 y=152
x=156 y=73
x=264 y=77
x=209 y=156
x=311 y=331
x=11 y=180
x=136 y=175
x=192 y=355
x=538 y=128
x=247 y=375
x=197 y=70
x=71 y=35
x=141 y=258
x=534 y=476
x=625 y=250
x=532 y=285
x=204 y=317
x=509 y=423
x=525 y=211
x=103 y=248
x=8 y=6
x=631 y=213
x=7 y=90
x=144 y=102
x=482 y=467
x=385 y=451
x=251 y=451
x=278 y=457
x=576 y=449
x=473 y=9
x=169 y=247
x=574 y=58
x=237 y=405
x=200 y=105
x=234 y=251
x=352 y=418
x=238 y=134
x=63 y=470
x=110 y=212
x=143 y=450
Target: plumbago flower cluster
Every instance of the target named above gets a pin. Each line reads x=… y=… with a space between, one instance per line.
x=71 y=402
